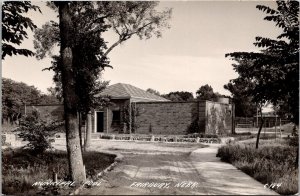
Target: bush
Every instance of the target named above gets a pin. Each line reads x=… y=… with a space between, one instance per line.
x=194 y=127
x=37 y=132
x=293 y=141
x=268 y=164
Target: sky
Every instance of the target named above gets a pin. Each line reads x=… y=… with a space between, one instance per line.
x=190 y=54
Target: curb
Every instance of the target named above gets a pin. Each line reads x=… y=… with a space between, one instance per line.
x=118 y=158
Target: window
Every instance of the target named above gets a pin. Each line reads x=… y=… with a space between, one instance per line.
x=116 y=119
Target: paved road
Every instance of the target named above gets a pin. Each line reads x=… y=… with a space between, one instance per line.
x=174 y=171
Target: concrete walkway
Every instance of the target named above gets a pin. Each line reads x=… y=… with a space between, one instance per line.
x=183 y=171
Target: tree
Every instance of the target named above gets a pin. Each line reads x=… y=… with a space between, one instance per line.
x=274 y=71
x=68 y=81
x=243 y=102
x=15 y=95
x=91 y=18
x=179 y=96
x=14 y=25
x=206 y=92
x=155 y=92
x=82 y=56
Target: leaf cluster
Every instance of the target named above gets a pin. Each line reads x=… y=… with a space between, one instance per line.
x=206 y=92
x=179 y=96
x=14 y=26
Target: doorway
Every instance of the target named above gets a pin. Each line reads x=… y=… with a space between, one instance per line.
x=100 y=122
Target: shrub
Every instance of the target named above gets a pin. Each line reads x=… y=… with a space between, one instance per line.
x=37 y=132
x=194 y=127
x=293 y=141
x=268 y=164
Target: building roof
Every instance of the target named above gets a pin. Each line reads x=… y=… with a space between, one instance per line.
x=127 y=91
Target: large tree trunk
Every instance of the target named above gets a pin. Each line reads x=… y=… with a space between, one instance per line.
x=87 y=142
x=76 y=168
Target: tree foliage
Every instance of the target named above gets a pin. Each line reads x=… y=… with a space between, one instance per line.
x=125 y=18
x=14 y=26
x=37 y=132
x=15 y=95
x=206 y=92
x=179 y=96
x=243 y=102
x=273 y=73
x=155 y=92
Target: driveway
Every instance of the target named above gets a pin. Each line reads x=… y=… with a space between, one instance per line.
x=157 y=168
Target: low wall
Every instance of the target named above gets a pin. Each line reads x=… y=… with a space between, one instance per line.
x=158 y=138
x=48 y=112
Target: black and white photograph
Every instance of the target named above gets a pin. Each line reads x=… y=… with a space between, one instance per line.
x=150 y=97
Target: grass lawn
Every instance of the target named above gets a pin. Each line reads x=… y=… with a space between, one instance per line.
x=20 y=169
x=270 y=163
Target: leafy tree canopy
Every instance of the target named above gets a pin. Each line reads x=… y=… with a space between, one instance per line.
x=16 y=94
x=273 y=73
x=179 y=96
x=155 y=92
x=243 y=103
x=206 y=92
x=125 y=18
x=14 y=26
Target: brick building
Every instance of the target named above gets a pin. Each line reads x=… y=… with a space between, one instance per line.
x=133 y=110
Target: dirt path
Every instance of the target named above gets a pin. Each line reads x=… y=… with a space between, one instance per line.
x=152 y=164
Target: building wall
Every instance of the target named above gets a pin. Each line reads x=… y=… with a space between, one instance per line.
x=168 y=117
x=157 y=117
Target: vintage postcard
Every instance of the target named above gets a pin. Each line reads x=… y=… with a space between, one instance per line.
x=150 y=97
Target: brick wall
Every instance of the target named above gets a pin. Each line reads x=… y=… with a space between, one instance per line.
x=48 y=112
x=167 y=117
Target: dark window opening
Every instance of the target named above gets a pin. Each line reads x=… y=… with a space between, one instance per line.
x=116 y=117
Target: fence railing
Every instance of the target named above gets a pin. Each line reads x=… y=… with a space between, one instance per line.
x=249 y=122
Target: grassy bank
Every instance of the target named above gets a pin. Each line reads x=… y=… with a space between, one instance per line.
x=20 y=169
x=270 y=163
